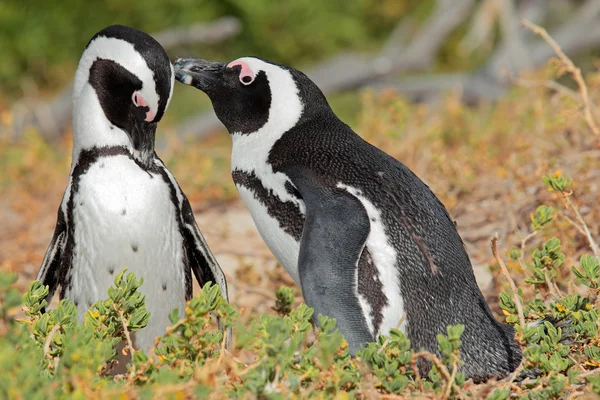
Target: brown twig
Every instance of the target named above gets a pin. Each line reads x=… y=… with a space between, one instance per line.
x=523 y=243
x=515 y=373
x=570 y=68
x=387 y=340
x=48 y=341
x=553 y=85
x=590 y=373
x=588 y=234
x=440 y=366
x=448 y=390
x=551 y=287
x=126 y=331
x=506 y=274
x=575 y=224
x=223 y=350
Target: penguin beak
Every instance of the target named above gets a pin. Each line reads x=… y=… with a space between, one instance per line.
x=142 y=136
x=202 y=74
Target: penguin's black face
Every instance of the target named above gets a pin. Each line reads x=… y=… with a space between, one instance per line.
x=132 y=78
x=251 y=95
x=118 y=91
x=241 y=98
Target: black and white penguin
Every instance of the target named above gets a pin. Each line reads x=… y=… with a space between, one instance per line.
x=122 y=208
x=364 y=237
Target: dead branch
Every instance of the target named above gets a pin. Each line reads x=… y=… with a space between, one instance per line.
x=207 y=33
x=570 y=68
x=510 y=280
x=352 y=70
x=49 y=338
x=592 y=242
x=126 y=332
x=517 y=53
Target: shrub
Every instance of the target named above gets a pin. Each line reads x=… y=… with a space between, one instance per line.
x=50 y=354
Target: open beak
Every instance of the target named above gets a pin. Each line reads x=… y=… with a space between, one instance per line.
x=202 y=74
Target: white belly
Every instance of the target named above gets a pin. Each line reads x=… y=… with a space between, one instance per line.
x=283 y=246
x=124 y=218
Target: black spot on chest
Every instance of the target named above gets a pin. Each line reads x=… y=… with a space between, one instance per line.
x=86 y=159
x=287 y=213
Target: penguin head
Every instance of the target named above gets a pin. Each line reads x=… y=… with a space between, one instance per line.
x=250 y=94
x=124 y=81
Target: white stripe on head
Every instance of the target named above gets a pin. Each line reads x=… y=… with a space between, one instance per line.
x=286 y=105
x=250 y=151
x=123 y=53
x=172 y=86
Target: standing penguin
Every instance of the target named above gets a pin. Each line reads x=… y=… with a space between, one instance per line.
x=122 y=208
x=362 y=235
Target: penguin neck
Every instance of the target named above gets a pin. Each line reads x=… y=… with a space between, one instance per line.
x=91 y=128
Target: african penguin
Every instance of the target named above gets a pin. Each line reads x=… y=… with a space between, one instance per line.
x=122 y=208
x=364 y=237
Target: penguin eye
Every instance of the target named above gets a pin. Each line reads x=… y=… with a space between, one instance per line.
x=246 y=76
x=246 y=79
x=138 y=100
x=134 y=99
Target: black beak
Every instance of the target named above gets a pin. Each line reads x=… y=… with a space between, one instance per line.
x=202 y=74
x=142 y=135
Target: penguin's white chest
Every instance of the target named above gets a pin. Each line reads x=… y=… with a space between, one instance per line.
x=283 y=246
x=124 y=218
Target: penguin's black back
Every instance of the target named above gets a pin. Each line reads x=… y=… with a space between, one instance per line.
x=436 y=278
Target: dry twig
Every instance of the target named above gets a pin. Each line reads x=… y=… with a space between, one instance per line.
x=510 y=280
x=48 y=341
x=451 y=384
x=570 y=68
x=439 y=365
x=557 y=87
x=387 y=340
x=126 y=331
x=588 y=234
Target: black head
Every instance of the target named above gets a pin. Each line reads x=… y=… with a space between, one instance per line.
x=132 y=78
x=249 y=94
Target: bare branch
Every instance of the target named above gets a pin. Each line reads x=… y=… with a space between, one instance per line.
x=352 y=70
x=207 y=33
x=588 y=234
x=126 y=332
x=48 y=343
x=510 y=280
x=572 y=69
x=518 y=52
x=473 y=87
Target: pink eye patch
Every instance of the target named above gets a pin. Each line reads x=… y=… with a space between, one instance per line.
x=246 y=74
x=139 y=101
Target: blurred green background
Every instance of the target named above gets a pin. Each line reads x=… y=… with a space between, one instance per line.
x=41 y=41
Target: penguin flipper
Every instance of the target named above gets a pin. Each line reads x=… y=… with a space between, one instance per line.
x=335 y=230
x=202 y=261
x=49 y=273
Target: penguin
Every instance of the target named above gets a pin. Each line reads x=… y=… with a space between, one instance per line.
x=122 y=208
x=367 y=241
